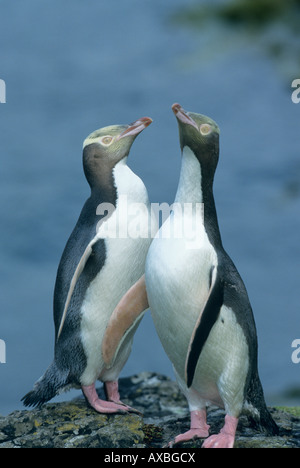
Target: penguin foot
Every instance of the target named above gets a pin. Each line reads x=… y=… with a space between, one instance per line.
x=225 y=439
x=219 y=441
x=101 y=406
x=112 y=394
x=111 y=389
x=199 y=429
x=192 y=434
x=127 y=408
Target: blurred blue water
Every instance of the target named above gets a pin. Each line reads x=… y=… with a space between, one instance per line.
x=71 y=67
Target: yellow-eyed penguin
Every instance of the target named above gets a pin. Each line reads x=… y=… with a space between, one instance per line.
x=100 y=262
x=198 y=300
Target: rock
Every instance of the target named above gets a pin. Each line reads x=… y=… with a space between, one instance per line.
x=165 y=414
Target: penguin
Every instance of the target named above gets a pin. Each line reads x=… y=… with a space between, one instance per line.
x=100 y=262
x=198 y=301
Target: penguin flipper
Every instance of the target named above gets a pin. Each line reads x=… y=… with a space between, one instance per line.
x=78 y=271
x=204 y=324
x=125 y=317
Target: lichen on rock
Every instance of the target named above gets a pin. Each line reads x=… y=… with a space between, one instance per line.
x=72 y=424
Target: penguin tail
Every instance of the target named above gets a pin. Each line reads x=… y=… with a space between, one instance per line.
x=267 y=423
x=47 y=387
x=256 y=409
x=261 y=419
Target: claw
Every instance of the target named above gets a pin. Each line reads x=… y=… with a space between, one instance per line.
x=112 y=393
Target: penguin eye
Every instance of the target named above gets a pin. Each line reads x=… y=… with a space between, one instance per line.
x=107 y=140
x=205 y=129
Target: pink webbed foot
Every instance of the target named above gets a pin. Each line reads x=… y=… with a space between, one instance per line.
x=199 y=429
x=226 y=437
x=192 y=434
x=112 y=394
x=101 y=406
x=219 y=441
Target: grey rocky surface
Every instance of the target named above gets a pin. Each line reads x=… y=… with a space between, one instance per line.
x=72 y=424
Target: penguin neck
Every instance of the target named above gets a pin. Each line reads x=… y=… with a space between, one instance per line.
x=194 y=189
x=190 y=186
x=111 y=182
x=128 y=185
x=104 y=190
x=118 y=183
x=123 y=178
x=122 y=175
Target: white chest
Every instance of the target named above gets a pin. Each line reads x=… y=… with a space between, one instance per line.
x=181 y=256
x=179 y=265
x=178 y=274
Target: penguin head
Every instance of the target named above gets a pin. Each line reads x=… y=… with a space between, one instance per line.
x=201 y=134
x=105 y=147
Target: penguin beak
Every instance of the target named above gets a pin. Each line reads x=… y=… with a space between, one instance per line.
x=136 y=127
x=182 y=115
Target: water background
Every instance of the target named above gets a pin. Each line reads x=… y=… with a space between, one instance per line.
x=71 y=67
